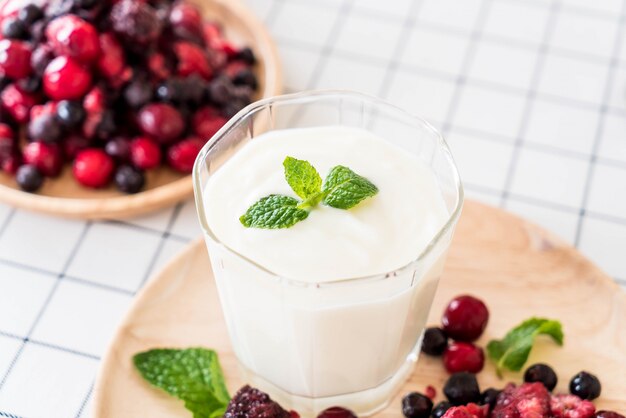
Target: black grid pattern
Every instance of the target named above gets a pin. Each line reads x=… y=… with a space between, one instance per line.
x=174 y=227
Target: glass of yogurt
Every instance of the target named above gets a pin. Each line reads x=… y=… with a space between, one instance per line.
x=328 y=312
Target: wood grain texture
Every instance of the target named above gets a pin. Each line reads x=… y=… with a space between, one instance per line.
x=517 y=268
x=63 y=196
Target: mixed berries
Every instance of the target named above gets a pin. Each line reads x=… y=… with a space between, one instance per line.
x=113 y=88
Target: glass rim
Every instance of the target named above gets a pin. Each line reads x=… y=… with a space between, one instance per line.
x=255 y=106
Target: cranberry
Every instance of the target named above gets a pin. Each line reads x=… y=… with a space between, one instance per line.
x=93 y=168
x=585 y=386
x=46 y=157
x=17 y=102
x=465 y=318
x=28 y=178
x=186 y=22
x=161 y=121
x=6 y=131
x=192 y=60
x=541 y=373
x=11 y=164
x=112 y=60
x=416 y=405
x=44 y=128
x=128 y=179
x=145 y=153
x=206 y=122
x=463 y=357
x=608 y=414
x=73 y=36
x=73 y=144
x=94 y=101
x=137 y=21
x=336 y=412
x=435 y=341
x=182 y=155
x=15 y=59
x=66 y=79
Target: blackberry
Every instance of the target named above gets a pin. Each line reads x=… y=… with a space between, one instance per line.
x=249 y=402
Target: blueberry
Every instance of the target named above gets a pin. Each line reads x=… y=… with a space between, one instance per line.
x=246 y=55
x=585 y=386
x=13 y=28
x=246 y=77
x=462 y=388
x=29 y=178
x=435 y=341
x=138 y=93
x=541 y=373
x=129 y=179
x=440 y=409
x=45 y=128
x=70 y=114
x=489 y=397
x=29 y=85
x=416 y=405
x=220 y=90
x=30 y=14
x=170 y=91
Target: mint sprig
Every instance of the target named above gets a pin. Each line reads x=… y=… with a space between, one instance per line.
x=342 y=189
x=513 y=350
x=193 y=375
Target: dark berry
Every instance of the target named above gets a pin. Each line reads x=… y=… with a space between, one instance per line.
x=608 y=414
x=249 y=402
x=170 y=91
x=246 y=77
x=440 y=409
x=489 y=397
x=161 y=121
x=118 y=148
x=138 y=93
x=28 y=178
x=85 y=4
x=463 y=357
x=435 y=341
x=45 y=128
x=30 y=14
x=13 y=28
x=136 y=21
x=70 y=113
x=465 y=318
x=462 y=388
x=585 y=386
x=40 y=58
x=336 y=412
x=219 y=90
x=541 y=373
x=107 y=125
x=29 y=85
x=129 y=179
x=246 y=55
x=416 y=405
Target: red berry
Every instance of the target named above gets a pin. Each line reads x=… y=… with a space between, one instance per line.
x=73 y=144
x=465 y=318
x=336 y=412
x=17 y=103
x=93 y=167
x=158 y=67
x=571 y=406
x=6 y=131
x=11 y=164
x=192 y=60
x=463 y=357
x=213 y=37
x=66 y=79
x=48 y=108
x=45 y=156
x=15 y=59
x=145 y=153
x=70 y=35
x=430 y=392
x=161 y=121
x=136 y=21
x=471 y=410
x=206 y=122
x=112 y=60
x=94 y=101
x=608 y=414
x=186 y=22
x=182 y=155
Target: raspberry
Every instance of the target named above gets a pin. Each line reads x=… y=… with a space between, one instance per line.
x=571 y=406
x=182 y=155
x=93 y=168
x=530 y=400
x=252 y=403
x=66 y=79
x=15 y=59
x=471 y=410
x=46 y=157
x=192 y=60
x=70 y=35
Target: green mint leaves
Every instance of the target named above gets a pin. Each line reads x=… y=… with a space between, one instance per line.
x=343 y=189
x=512 y=351
x=193 y=375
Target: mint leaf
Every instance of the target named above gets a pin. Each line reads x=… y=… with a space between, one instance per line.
x=345 y=189
x=513 y=350
x=273 y=212
x=193 y=375
x=303 y=178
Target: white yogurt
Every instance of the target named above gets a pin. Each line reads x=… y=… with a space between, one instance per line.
x=314 y=344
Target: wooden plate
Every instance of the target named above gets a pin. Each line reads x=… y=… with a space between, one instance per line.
x=65 y=197
x=517 y=268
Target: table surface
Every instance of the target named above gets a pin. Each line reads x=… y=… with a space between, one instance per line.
x=528 y=93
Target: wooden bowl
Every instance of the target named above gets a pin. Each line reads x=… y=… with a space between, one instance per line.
x=63 y=196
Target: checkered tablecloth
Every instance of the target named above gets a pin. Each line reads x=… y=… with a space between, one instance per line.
x=529 y=94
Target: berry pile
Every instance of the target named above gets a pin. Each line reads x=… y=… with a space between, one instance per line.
x=464 y=320
x=114 y=87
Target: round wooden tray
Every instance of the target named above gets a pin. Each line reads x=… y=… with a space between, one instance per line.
x=517 y=268
x=63 y=196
